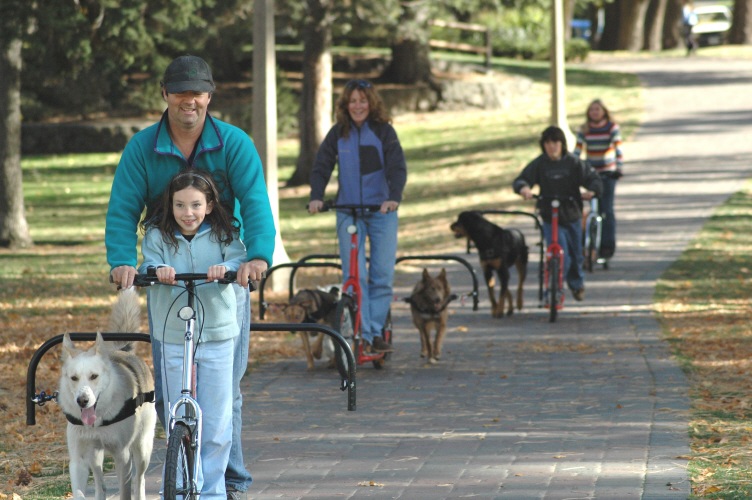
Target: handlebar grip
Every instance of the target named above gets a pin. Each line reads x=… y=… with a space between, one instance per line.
x=150 y=278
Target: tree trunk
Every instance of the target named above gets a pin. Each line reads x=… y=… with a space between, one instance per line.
x=654 y=25
x=316 y=98
x=611 y=27
x=411 y=61
x=741 y=24
x=568 y=16
x=14 y=231
x=632 y=24
x=672 y=25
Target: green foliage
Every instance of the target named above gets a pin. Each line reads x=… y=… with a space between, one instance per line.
x=576 y=49
x=94 y=55
x=521 y=32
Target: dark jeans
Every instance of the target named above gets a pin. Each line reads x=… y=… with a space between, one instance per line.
x=606 y=206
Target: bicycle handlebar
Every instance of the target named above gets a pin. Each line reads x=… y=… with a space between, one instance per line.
x=332 y=205
x=150 y=278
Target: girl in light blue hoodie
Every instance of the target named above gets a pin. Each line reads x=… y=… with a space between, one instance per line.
x=191 y=232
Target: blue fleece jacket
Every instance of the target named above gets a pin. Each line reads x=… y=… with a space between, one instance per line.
x=151 y=159
x=216 y=306
x=372 y=166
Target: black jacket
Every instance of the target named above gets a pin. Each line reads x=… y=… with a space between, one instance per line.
x=560 y=179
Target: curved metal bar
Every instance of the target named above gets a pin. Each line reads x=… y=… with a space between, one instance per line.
x=304 y=262
x=31 y=374
x=291 y=290
x=448 y=257
x=348 y=383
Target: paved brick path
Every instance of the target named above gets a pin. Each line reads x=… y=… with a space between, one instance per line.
x=590 y=407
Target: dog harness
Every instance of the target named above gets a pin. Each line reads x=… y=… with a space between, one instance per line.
x=424 y=310
x=321 y=313
x=128 y=410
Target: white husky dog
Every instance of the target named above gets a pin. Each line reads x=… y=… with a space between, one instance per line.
x=107 y=395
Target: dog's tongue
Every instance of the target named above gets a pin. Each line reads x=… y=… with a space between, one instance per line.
x=89 y=416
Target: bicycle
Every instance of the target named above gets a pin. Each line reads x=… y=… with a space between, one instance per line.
x=591 y=237
x=553 y=275
x=347 y=315
x=183 y=458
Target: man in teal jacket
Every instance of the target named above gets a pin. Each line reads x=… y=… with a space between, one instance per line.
x=187 y=136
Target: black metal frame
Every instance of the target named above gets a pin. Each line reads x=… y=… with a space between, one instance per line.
x=305 y=262
x=34 y=399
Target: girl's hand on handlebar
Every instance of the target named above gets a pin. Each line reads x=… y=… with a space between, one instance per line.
x=166 y=275
x=587 y=195
x=315 y=206
x=215 y=273
x=388 y=206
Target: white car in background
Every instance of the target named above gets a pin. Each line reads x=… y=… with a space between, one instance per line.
x=713 y=24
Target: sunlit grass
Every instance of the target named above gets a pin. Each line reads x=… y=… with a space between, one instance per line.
x=704 y=306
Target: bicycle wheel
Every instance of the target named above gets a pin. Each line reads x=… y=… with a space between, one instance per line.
x=386 y=334
x=553 y=288
x=344 y=323
x=178 y=473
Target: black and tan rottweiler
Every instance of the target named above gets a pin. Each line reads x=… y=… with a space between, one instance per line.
x=498 y=249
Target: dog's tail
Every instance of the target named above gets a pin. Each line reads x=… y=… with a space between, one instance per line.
x=126 y=313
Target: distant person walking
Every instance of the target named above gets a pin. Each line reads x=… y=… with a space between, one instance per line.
x=689 y=21
x=600 y=139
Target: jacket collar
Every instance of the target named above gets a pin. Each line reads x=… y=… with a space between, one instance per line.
x=210 y=140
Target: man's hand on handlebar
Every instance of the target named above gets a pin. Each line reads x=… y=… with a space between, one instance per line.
x=123 y=276
x=252 y=270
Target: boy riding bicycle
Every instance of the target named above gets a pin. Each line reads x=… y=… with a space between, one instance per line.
x=559 y=174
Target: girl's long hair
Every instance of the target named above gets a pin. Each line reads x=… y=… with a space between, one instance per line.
x=223 y=226
x=606 y=114
x=377 y=110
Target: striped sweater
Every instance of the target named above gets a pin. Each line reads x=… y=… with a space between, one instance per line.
x=602 y=146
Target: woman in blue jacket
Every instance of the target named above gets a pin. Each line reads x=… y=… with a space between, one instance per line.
x=372 y=171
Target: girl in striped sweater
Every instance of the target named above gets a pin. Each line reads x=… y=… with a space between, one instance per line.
x=600 y=138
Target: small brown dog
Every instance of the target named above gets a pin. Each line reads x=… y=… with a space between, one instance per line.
x=428 y=305
x=314 y=306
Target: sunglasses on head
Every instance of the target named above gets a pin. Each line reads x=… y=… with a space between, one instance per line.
x=358 y=84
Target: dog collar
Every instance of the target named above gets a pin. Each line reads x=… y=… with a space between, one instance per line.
x=128 y=410
x=423 y=310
